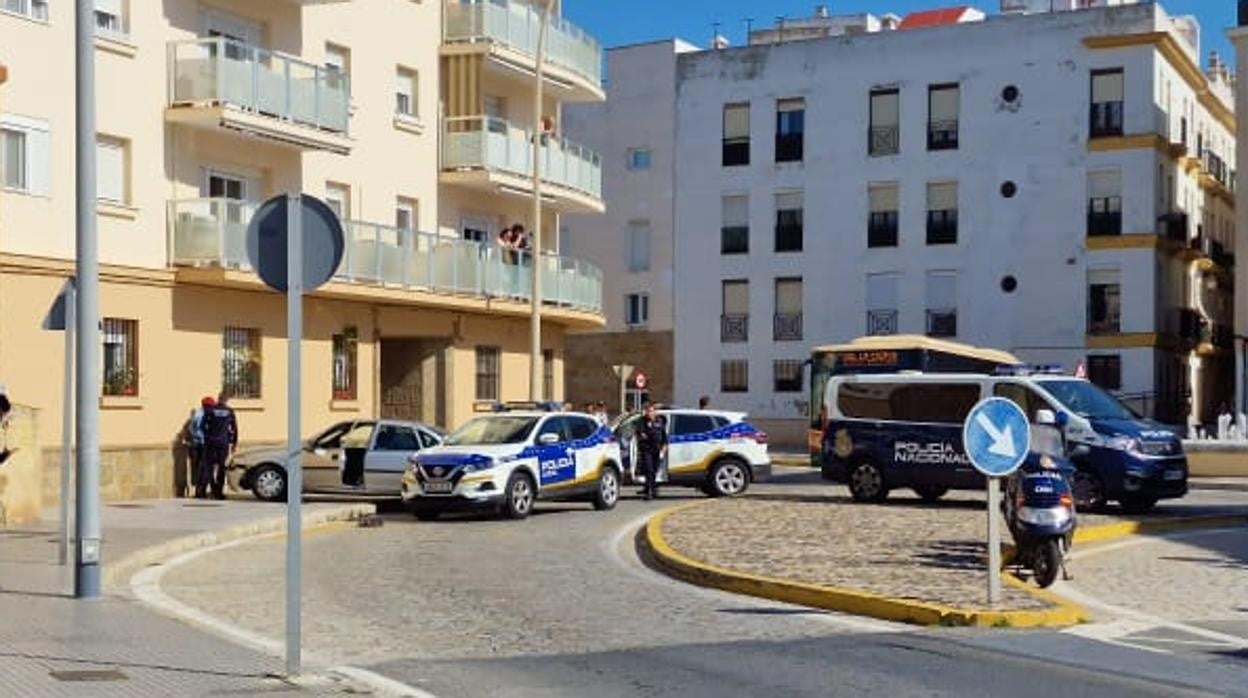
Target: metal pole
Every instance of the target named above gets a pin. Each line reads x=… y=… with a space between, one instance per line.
x=294 y=442
x=67 y=421
x=535 y=295
x=994 y=541
x=87 y=389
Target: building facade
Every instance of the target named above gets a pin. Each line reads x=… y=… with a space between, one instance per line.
x=1239 y=36
x=1050 y=183
x=207 y=108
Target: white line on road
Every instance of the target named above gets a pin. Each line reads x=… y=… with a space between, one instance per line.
x=1102 y=630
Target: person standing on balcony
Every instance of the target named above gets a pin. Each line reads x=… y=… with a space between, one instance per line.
x=522 y=239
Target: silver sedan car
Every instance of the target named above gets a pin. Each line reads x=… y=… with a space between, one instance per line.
x=354 y=457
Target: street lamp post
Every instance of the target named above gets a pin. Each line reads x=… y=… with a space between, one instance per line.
x=535 y=295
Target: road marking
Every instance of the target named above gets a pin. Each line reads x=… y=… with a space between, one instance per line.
x=145 y=585
x=1067 y=590
x=1135 y=540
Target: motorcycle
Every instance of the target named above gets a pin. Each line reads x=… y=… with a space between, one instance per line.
x=1039 y=504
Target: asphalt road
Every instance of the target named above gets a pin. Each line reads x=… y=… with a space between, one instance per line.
x=560 y=606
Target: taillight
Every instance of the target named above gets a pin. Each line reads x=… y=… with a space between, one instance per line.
x=1066 y=500
x=756 y=436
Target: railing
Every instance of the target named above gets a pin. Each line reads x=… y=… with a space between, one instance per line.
x=479 y=142
x=516 y=26
x=881 y=322
x=942 y=135
x=212 y=233
x=942 y=323
x=1106 y=325
x=942 y=227
x=884 y=140
x=787 y=327
x=882 y=229
x=1216 y=167
x=1104 y=223
x=1105 y=119
x=224 y=71
x=1174 y=226
x=734 y=327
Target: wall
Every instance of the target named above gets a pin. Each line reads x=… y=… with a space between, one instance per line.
x=19 y=475
x=590 y=356
x=1240 y=37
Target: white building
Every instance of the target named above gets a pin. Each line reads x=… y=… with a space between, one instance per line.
x=1051 y=183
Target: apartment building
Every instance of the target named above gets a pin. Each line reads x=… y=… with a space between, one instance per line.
x=207 y=108
x=1239 y=36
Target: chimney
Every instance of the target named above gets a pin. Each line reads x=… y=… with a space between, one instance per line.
x=821 y=11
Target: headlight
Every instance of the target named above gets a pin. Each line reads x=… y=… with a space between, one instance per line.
x=1123 y=443
x=477 y=466
x=1047 y=463
x=1044 y=517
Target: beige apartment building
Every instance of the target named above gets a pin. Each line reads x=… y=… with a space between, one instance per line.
x=408 y=117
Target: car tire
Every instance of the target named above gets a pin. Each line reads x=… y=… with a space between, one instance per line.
x=1088 y=490
x=608 y=492
x=268 y=483
x=1137 y=505
x=519 y=497
x=931 y=493
x=866 y=482
x=729 y=477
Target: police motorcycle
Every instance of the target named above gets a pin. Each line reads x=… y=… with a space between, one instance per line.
x=1039 y=504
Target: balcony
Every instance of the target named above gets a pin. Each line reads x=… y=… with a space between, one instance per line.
x=787 y=327
x=507 y=30
x=942 y=227
x=942 y=323
x=881 y=322
x=496 y=157
x=734 y=327
x=228 y=85
x=1174 y=227
x=883 y=140
x=1105 y=119
x=211 y=233
x=1104 y=223
x=942 y=135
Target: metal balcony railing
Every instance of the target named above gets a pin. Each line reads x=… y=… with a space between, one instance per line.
x=480 y=142
x=516 y=26
x=212 y=233
x=942 y=323
x=884 y=140
x=734 y=327
x=787 y=327
x=942 y=135
x=881 y=322
x=224 y=71
x=1104 y=223
x=1105 y=119
x=1174 y=226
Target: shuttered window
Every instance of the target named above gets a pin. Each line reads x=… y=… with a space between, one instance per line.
x=735 y=224
x=789 y=296
x=24 y=154
x=736 y=297
x=110 y=162
x=638 y=240
x=1107 y=86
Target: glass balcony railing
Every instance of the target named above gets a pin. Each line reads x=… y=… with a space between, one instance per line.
x=494 y=144
x=516 y=25
x=213 y=233
x=230 y=72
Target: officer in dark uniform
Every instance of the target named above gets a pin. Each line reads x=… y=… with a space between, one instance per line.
x=651 y=447
x=220 y=436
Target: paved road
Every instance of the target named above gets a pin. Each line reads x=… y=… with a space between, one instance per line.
x=559 y=606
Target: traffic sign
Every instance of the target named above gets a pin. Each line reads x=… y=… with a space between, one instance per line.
x=321 y=239
x=640 y=380
x=996 y=437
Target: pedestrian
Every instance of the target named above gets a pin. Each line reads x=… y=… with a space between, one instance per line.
x=600 y=413
x=195 y=432
x=651 y=448
x=6 y=408
x=220 y=437
x=704 y=402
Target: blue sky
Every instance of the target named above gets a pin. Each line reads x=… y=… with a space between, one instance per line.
x=616 y=22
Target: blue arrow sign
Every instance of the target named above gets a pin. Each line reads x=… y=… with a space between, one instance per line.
x=996 y=436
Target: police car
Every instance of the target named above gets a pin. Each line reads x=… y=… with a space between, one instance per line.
x=718 y=452
x=505 y=462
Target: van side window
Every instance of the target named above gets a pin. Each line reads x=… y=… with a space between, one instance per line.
x=866 y=400
x=686 y=424
x=936 y=403
x=1021 y=395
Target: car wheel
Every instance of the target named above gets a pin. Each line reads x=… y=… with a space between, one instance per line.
x=866 y=482
x=520 y=496
x=608 y=489
x=728 y=478
x=1089 y=491
x=268 y=483
x=1137 y=505
x=931 y=493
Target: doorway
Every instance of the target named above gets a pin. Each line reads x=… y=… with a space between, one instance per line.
x=413 y=380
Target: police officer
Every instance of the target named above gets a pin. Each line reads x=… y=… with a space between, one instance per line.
x=220 y=436
x=651 y=447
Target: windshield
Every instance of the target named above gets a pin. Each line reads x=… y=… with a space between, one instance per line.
x=1086 y=399
x=492 y=431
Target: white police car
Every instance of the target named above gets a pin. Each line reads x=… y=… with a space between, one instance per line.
x=507 y=461
x=718 y=452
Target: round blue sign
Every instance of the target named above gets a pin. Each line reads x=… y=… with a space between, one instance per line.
x=996 y=437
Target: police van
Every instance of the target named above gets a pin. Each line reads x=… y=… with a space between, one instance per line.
x=507 y=461
x=892 y=430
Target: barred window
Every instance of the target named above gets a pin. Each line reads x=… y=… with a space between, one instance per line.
x=734 y=375
x=787 y=374
x=121 y=357
x=240 y=363
x=487 y=373
x=346 y=364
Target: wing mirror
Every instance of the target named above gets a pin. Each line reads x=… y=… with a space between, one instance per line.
x=1046 y=418
x=548 y=439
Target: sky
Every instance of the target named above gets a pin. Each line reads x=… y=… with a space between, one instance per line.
x=616 y=22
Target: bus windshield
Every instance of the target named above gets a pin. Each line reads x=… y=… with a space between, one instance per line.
x=1086 y=399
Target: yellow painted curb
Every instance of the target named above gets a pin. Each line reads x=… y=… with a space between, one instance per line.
x=658 y=553
x=1097 y=534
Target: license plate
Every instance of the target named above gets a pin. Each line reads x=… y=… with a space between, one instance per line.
x=438 y=487
x=1174 y=475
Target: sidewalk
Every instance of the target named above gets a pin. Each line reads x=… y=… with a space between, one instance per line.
x=52 y=645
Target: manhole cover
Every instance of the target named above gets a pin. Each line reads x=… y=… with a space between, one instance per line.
x=88 y=675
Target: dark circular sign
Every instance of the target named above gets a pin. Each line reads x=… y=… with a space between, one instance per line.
x=1008 y=284
x=322 y=236
x=640 y=380
x=1008 y=189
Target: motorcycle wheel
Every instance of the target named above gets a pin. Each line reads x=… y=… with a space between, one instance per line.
x=1046 y=563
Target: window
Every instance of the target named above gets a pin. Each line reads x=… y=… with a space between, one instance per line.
x=548 y=374
x=392 y=437
x=787 y=375
x=405 y=211
x=1021 y=395
x=1104 y=301
x=111 y=165
x=1105 y=203
x=580 y=428
x=789 y=222
x=736 y=146
x=942 y=213
x=24 y=154
x=636 y=309
x=942 y=304
x=110 y=17
x=884 y=137
x=35 y=9
x=1105 y=117
x=338 y=198
x=240 y=362
x=121 y=357
x=226 y=186
x=1106 y=371
x=942 y=117
x=405 y=91
x=734 y=325
x=555 y=425
x=346 y=364
x=487 y=373
x=931 y=403
x=338 y=59
x=882 y=220
x=790 y=129
x=638 y=158
x=882 y=304
x=690 y=424
x=734 y=376
x=734 y=231
x=787 y=323
x=638 y=240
